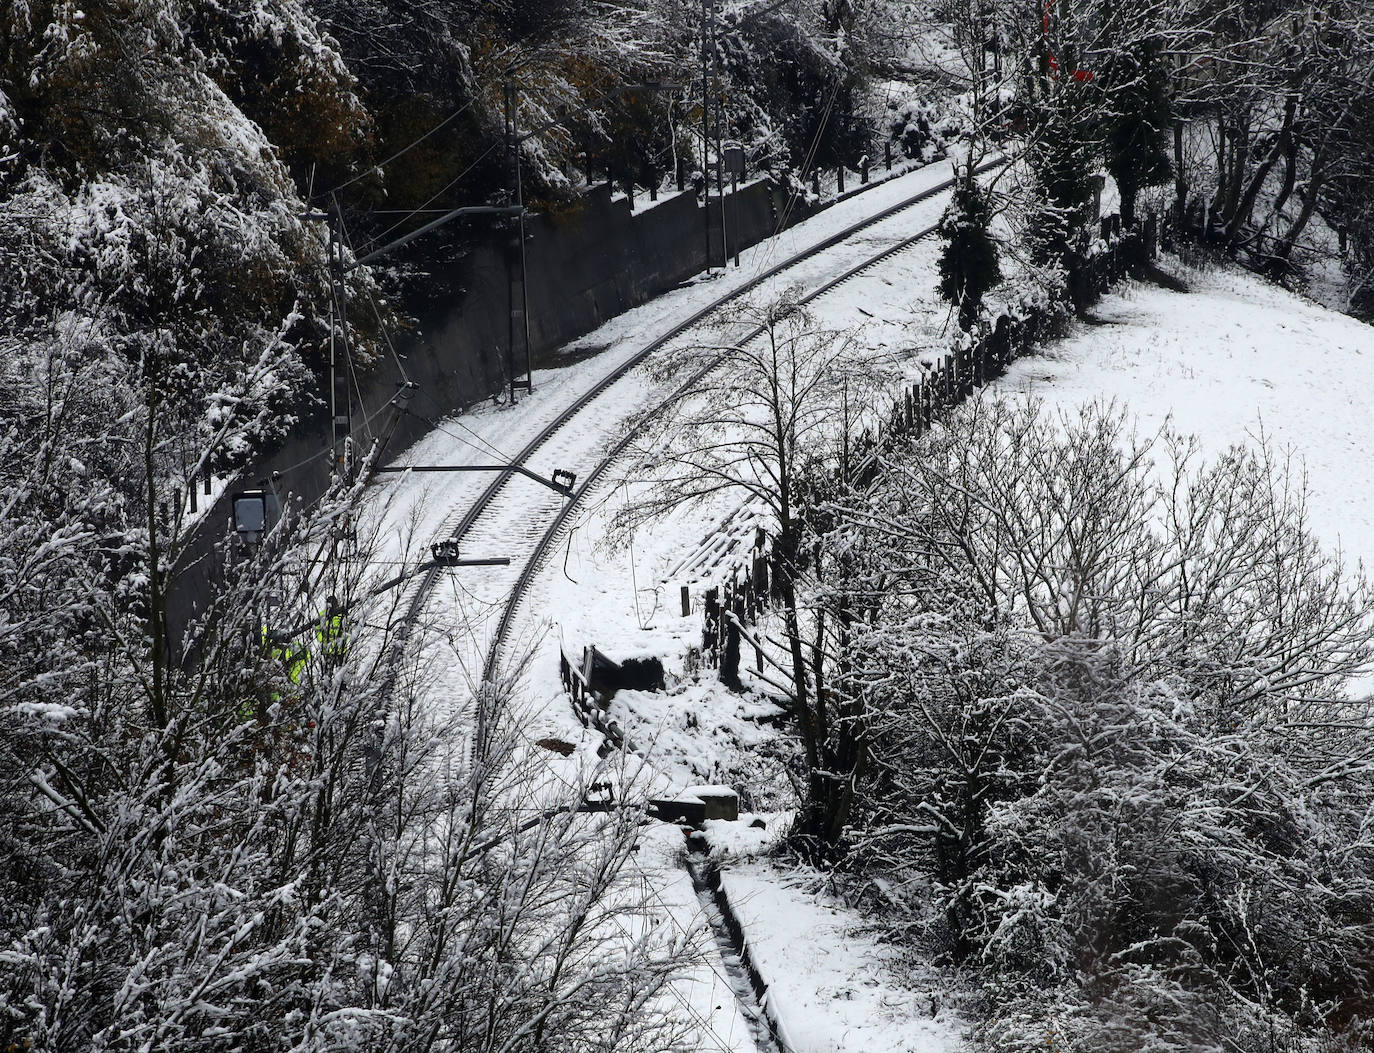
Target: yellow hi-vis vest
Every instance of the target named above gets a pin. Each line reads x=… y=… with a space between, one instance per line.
x=291 y=659
x=330 y=634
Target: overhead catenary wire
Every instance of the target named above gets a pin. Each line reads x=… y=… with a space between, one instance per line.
x=376 y=311
x=766 y=257
x=401 y=152
x=477 y=442
x=382 y=237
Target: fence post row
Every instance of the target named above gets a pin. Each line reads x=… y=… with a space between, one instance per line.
x=954 y=378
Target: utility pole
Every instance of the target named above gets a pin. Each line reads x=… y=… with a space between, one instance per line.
x=720 y=154
x=518 y=341
x=708 y=38
x=341 y=418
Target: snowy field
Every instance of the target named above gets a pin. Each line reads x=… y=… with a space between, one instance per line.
x=1233 y=361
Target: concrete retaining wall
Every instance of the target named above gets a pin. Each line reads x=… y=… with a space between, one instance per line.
x=584 y=266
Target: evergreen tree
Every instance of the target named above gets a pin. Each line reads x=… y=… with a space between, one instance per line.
x=1060 y=161
x=968 y=261
x=1136 y=122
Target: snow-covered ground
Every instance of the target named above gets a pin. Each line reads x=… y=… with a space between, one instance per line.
x=1233 y=361
x=422 y=506
x=620 y=599
x=833 y=982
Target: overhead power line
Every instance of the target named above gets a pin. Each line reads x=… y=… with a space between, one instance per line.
x=401 y=152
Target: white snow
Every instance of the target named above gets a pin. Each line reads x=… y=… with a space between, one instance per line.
x=835 y=986
x=425 y=507
x=1233 y=361
x=624 y=602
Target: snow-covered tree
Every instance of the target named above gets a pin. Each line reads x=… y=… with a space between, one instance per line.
x=1136 y=121
x=968 y=258
x=244 y=843
x=1114 y=765
x=766 y=421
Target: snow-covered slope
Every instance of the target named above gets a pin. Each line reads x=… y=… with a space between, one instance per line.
x=1235 y=360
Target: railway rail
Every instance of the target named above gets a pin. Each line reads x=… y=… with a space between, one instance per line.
x=461 y=525
x=744 y=978
x=553 y=533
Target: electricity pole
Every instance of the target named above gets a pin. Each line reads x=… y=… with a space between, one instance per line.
x=518 y=340
x=341 y=418
x=720 y=145
x=708 y=40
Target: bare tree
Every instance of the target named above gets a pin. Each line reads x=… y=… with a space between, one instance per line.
x=1107 y=692
x=765 y=420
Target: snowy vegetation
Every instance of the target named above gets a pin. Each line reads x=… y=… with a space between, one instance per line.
x=1114 y=768
x=1071 y=705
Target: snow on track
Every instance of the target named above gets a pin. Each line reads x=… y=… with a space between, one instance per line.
x=428 y=506
x=461 y=612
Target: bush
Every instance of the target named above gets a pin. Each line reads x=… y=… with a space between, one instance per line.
x=1116 y=749
x=919 y=130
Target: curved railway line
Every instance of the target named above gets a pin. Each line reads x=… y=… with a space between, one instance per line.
x=747 y=985
x=460 y=526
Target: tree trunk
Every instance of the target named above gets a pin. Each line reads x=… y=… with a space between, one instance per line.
x=1128 y=196
x=1245 y=206
x=1284 y=249
x=1180 y=177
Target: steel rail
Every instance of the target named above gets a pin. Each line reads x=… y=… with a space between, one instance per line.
x=535 y=563
x=474 y=511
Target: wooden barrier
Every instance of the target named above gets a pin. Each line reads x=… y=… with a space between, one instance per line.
x=955 y=377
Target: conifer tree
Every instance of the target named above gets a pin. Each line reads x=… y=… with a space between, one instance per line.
x=968 y=261
x=1136 y=122
x=1060 y=159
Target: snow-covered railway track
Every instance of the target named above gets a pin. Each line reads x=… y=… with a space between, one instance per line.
x=534 y=562
x=488 y=521
x=589 y=430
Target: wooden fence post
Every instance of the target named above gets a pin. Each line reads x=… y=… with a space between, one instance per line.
x=729 y=657
x=710 y=624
